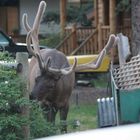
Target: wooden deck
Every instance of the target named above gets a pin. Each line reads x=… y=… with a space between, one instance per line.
x=90 y=43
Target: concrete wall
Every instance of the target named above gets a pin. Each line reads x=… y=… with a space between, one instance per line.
x=30 y=7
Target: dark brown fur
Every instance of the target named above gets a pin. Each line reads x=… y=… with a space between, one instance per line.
x=53 y=90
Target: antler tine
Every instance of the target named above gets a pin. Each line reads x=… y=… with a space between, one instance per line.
x=25 y=22
x=28 y=41
x=35 y=28
x=64 y=71
x=111 y=42
x=116 y=41
x=94 y=64
x=32 y=35
x=39 y=15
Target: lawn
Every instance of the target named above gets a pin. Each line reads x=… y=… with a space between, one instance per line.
x=86 y=115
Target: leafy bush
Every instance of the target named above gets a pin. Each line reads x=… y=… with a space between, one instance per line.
x=74 y=14
x=10 y=93
x=78 y=14
x=123 y=5
x=51 y=16
x=51 y=40
x=39 y=126
x=11 y=101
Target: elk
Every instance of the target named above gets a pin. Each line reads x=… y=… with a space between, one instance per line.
x=52 y=78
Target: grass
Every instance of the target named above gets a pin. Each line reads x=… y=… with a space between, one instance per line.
x=85 y=114
x=100 y=83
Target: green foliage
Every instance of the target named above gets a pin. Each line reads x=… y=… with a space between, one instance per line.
x=5 y=57
x=39 y=126
x=100 y=81
x=51 y=16
x=10 y=120
x=51 y=40
x=74 y=14
x=78 y=14
x=11 y=101
x=123 y=5
x=85 y=114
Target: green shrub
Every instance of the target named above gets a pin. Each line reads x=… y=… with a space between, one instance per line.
x=123 y=6
x=11 y=121
x=11 y=101
x=52 y=40
x=78 y=14
x=39 y=126
x=51 y=16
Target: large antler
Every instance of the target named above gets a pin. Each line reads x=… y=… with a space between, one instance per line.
x=96 y=63
x=32 y=36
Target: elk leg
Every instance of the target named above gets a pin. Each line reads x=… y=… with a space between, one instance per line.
x=50 y=113
x=63 y=117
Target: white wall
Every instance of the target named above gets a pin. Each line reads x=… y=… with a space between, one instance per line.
x=30 y=7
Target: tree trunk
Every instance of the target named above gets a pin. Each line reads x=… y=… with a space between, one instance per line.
x=135 y=11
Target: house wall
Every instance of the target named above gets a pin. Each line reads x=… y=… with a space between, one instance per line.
x=30 y=7
x=3 y=18
x=9 y=19
x=12 y=20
